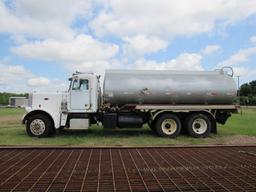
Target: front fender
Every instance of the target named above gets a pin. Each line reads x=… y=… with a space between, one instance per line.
x=54 y=118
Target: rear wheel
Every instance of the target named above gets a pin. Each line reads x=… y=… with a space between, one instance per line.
x=168 y=125
x=199 y=125
x=39 y=126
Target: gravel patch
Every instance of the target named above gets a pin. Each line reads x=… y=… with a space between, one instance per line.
x=240 y=140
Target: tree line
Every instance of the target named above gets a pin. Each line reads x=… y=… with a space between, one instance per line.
x=4 y=97
x=247 y=93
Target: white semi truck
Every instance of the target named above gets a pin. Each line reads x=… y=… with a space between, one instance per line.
x=168 y=101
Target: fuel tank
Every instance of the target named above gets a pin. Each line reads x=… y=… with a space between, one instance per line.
x=127 y=87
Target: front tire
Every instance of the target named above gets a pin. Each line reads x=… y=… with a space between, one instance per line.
x=39 y=126
x=199 y=125
x=168 y=125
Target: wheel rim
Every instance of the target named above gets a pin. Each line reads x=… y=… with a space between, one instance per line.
x=37 y=127
x=199 y=126
x=169 y=126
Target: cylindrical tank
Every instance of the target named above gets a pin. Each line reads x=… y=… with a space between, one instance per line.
x=122 y=87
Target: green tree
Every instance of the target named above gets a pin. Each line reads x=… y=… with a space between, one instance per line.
x=248 y=93
x=245 y=90
x=4 y=97
x=253 y=87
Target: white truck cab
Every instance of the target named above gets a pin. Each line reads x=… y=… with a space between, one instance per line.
x=83 y=93
x=46 y=111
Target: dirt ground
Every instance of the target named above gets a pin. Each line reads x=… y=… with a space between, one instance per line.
x=10 y=121
x=240 y=140
x=10 y=118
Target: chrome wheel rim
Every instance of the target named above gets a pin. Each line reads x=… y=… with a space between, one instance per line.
x=199 y=126
x=37 y=127
x=169 y=126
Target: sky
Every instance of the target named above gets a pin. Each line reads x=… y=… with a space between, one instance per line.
x=42 y=42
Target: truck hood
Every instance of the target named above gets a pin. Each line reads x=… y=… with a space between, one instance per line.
x=45 y=100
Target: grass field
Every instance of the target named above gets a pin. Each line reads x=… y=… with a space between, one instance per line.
x=240 y=129
x=11 y=111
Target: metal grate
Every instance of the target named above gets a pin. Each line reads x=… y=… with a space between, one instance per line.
x=128 y=169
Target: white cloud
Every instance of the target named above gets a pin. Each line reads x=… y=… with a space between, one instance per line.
x=82 y=52
x=38 y=81
x=253 y=39
x=210 y=49
x=81 y=48
x=42 y=18
x=241 y=71
x=184 y=61
x=240 y=62
x=12 y=73
x=15 y=78
x=167 y=19
x=246 y=74
x=141 y=44
x=240 y=57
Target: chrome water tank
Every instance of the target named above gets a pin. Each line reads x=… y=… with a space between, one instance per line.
x=123 y=87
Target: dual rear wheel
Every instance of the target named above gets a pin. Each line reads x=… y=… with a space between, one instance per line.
x=197 y=125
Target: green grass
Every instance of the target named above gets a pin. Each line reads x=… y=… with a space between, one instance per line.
x=243 y=123
x=13 y=133
x=11 y=111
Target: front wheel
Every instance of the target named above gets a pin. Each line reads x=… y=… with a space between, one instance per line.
x=168 y=125
x=39 y=126
x=199 y=125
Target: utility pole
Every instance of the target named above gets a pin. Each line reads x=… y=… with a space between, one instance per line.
x=238 y=90
x=238 y=82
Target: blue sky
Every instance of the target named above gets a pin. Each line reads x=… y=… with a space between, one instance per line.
x=42 y=42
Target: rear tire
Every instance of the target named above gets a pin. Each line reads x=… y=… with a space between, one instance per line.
x=39 y=126
x=168 y=125
x=199 y=125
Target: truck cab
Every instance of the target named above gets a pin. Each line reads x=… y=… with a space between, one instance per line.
x=84 y=91
x=47 y=112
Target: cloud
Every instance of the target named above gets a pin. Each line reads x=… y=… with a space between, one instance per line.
x=42 y=18
x=81 y=48
x=253 y=39
x=11 y=73
x=242 y=56
x=246 y=74
x=184 y=61
x=38 y=81
x=141 y=44
x=167 y=19
x=79 y=53
x=241 y=71
x=210 y=49
x=240 y=62
x=15 y=78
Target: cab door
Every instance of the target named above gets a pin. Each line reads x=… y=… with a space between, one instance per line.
x=80 y=95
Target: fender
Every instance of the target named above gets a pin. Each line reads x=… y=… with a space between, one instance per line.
x=53 y=118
